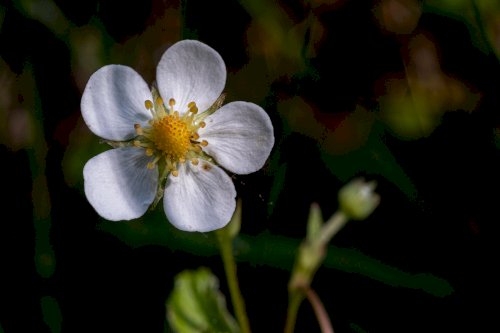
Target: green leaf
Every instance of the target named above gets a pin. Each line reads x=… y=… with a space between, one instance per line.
x=197 y=305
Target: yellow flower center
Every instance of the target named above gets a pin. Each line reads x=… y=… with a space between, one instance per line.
x=171 y=138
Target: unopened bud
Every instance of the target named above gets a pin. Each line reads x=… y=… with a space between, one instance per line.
x=358 y=200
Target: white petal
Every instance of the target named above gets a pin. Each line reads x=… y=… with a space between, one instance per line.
x=191 y=71
x=200 y=198
x=240 y=137
x=118 y=183
x=113 y=101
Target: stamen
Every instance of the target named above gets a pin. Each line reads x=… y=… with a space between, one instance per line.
x=171 y=103
x=142 y=144
x=203 y=124
x=159 y=101
x=169 y=165
x=192 y=107
x=204 y=143
x=148 y=104
x=152 y=164
x=175 y=173
x=194 y=161
x=138 y=128
x=195 y=136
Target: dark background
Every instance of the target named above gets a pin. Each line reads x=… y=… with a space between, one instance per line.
x=402 y=92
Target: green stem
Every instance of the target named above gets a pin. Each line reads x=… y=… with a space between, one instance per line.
x=309 y=258
x=332 y=226
x=226 y=249
x=295 y=298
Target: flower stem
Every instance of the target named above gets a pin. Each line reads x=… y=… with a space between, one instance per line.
x=226 y=249
x=320 y=311
x=332 y=227
x=295 y=299
x=309 y=258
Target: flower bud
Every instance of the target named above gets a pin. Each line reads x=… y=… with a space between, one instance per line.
x=358 y=200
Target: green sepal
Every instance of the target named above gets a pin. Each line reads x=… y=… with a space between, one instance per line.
x=117 y=144
x=314 y=222
x=214 y=107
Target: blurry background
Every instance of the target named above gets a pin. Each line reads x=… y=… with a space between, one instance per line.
x=404 y=92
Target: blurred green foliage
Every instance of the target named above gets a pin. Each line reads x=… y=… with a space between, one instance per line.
x=51 y=313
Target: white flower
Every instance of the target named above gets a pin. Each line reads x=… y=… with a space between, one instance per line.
x=171 y=148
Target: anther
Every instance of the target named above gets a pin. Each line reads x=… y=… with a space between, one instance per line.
x=194 y=161
x=182 y=160
x=149 y=152
x=175 y=173
x=202 y=124
x=195 y=136
x=192 y=107
x=204 y=143
x=159 y=101
x=151 y=165
x=136 y=143
x=138 y=128
x=148 y=104
x=171 y=102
